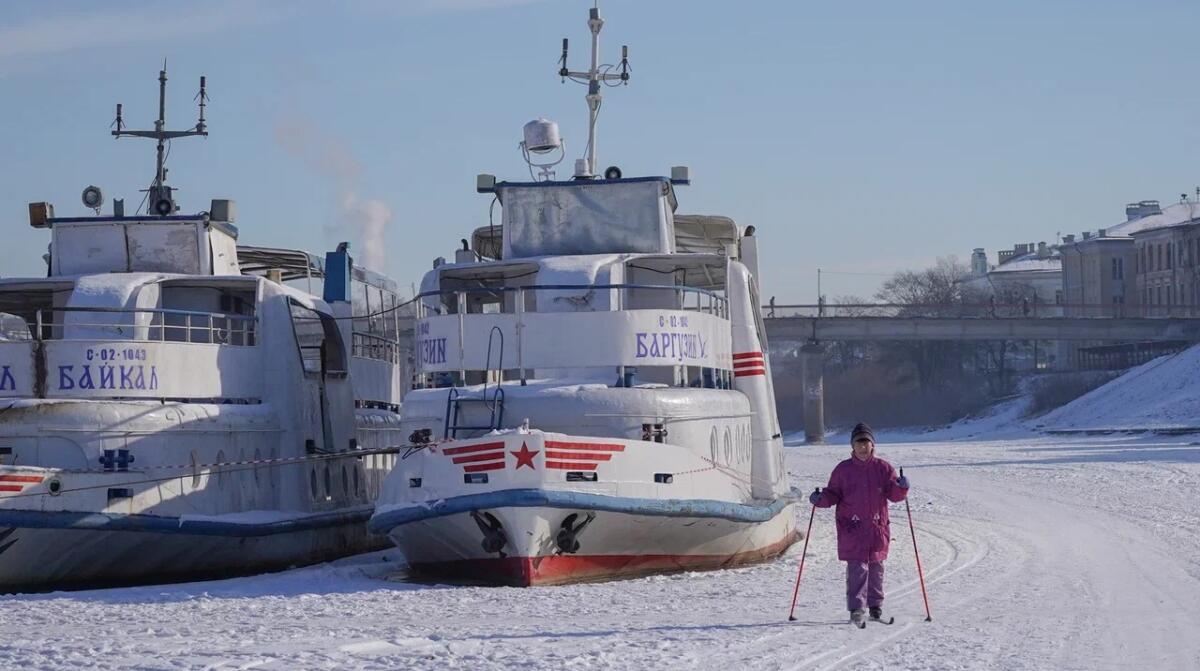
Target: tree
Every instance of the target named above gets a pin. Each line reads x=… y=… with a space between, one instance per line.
x=937 y=291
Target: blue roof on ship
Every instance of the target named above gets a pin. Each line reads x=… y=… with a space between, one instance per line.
x=585 y=182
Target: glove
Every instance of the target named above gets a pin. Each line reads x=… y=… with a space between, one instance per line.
x=902 y=482
x=814 y=497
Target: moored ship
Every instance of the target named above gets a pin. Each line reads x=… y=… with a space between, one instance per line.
x=597 y=398
x=171 y=407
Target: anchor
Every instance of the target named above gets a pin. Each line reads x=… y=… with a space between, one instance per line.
x=567 y=539
x=494 y=539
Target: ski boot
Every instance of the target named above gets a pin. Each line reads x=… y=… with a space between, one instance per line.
x=876 y=613
x=856 y=618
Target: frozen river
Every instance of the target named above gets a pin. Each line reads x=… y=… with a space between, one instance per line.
x=1040 y=552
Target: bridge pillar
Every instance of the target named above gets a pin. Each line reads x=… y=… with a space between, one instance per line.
x=812 y=359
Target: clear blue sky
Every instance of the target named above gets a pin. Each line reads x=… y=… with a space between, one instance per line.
x=857 y=137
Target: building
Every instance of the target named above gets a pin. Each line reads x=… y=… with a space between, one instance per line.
x=1026 y=281
x=1027 y=274
x=1167 y=275
x=1132 y=269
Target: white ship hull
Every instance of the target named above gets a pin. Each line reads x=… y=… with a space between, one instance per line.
x=224 y=498
x=61 y=557
x=692 y=518
x=614 y=545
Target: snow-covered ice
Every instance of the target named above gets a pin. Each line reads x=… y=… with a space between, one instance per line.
x=1039 y=552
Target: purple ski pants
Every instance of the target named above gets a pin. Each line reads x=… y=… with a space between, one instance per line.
x=864 y=584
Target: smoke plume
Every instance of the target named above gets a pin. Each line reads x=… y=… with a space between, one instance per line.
x=329 y=157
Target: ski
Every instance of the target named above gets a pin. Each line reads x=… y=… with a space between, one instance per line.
x=880 y=620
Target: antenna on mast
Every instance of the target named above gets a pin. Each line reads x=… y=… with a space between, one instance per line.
x=159 y=194
x=596 y=75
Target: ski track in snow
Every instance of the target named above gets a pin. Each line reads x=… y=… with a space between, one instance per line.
x=1039 y=552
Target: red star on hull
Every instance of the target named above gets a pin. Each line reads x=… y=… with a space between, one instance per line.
x=525 y=457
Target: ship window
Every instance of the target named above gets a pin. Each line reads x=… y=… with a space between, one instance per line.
x=195 y=471
x=484 y=288
x=13 y=327
x=196 y=313
x=318 y=341
x=376 y=331
x=21 y=304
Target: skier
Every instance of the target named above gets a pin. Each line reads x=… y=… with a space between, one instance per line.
x=861 y=487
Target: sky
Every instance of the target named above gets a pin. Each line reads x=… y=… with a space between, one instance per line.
x=858 y=138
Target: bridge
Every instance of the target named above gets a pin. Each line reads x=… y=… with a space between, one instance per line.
x=982 y=328
x=819 y=323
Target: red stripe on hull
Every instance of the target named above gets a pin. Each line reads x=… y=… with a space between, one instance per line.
x=563 y=569
x=600 y=447
x=476 y=468
x=21 y=478
x=487 y=456
x=473 y=448
x=750 y=373
x=11 y=488
x=570 y=465
x=590 y=456
x=748 y=355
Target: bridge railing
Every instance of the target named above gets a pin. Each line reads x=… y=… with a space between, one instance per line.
x=989 y=310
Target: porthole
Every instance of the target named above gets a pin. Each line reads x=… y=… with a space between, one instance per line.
x=712 y=444
x=345 y=482
x=55 y=486
x=312 y=483
x=328 y=484
x=728 y=446
x=195 y=472
x=357 y=483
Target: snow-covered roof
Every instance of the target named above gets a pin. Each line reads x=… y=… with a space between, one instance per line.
x=1031 y=263
x=1171 y=215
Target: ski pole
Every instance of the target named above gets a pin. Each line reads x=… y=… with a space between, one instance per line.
x=803 y=554
x=920 y=573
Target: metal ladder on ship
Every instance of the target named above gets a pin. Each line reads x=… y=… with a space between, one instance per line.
x=494 y=404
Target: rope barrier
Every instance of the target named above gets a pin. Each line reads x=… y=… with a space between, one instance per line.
x=237 y=467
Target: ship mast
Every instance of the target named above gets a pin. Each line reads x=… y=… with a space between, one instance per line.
x=596 y=75
x=159 y=194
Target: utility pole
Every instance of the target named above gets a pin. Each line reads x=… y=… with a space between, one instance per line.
x=159 y=194
x=594 y=78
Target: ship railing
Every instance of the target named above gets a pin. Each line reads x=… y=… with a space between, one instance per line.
x=371 y=346
x=144 y=324
x=680 y=335
x=685 y=298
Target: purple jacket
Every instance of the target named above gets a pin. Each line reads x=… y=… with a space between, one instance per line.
x=861 y=491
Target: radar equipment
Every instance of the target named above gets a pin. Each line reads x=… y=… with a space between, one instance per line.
x=596 y=75
x=158 y=196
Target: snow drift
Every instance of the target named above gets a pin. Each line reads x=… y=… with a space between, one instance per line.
x=1162 y=395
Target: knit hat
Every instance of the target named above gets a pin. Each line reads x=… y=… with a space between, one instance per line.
x=861 y=430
